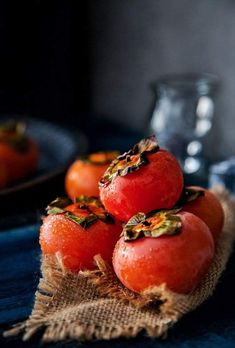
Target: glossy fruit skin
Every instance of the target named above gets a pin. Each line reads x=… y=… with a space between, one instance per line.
x=19 y=164
x=3 y=176
x=180 y=261
x=76 y=245
x=209 y=209
x=82 y=178
x=156 y=185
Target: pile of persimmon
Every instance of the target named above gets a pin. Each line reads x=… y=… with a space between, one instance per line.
x=161 y=232
x=78 y=228
x=170 y=231
x=18 y=153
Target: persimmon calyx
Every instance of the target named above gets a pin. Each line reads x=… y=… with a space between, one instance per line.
x=87 y=210
x=84 y=222
x=58 y=205
x=154 y=224
x=13 y=134
x=189 y=195
x=94 y=206
x=130 y=161
x=13 y=127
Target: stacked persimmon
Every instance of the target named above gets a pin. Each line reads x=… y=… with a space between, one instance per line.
x=78 y=228
x=152 y=228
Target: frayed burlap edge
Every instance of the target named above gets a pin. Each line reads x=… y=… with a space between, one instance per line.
x=59 y=330
x=95 y=304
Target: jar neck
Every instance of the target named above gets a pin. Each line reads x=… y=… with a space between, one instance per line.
x=183 y=85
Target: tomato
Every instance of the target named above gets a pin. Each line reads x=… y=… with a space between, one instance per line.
x=143 y=179
x=78 y=232
x=18 y=153
x=208 y=208
x=84 y=174
x=163 y=248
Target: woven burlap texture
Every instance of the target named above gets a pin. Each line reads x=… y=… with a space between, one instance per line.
x=94 y=305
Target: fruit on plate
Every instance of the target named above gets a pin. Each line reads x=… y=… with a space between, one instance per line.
x=142 y=179
x=3 y=176
x=206 y=206
x=163 y=247
x=76 y=232
x=18 y=152
x=84 y=174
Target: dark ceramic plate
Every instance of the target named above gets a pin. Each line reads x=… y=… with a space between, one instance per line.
x=58 y=147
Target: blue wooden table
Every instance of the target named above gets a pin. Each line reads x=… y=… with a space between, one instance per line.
x=211 y=325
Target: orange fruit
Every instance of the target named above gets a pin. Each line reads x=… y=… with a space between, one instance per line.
x=18 y=153
x=78 y=232
x=164 y=252
x=83 y=175
x=208 y=208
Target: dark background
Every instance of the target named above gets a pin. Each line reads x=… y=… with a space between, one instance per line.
x=76 y=61
x=45 y=63
x=70 y=60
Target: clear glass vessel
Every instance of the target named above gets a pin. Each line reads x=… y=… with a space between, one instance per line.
x=182 y=116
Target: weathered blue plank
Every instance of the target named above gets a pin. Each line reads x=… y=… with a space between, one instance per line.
x=19 y=265
x=211 y=325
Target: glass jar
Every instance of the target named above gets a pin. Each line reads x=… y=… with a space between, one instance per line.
x=182 y=116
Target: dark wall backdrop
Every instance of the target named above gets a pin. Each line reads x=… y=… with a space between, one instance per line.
x=66 y=60
x=133 y=42
x=44 y=58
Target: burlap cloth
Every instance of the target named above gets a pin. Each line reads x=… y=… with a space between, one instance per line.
x=95 y=305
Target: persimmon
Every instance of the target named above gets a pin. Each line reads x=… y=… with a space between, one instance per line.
x=84 y=174
x=206 y=206
x=18 y=152
x=142 y=179
x=78 y=231
x=3 y=176
x=166 y=247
